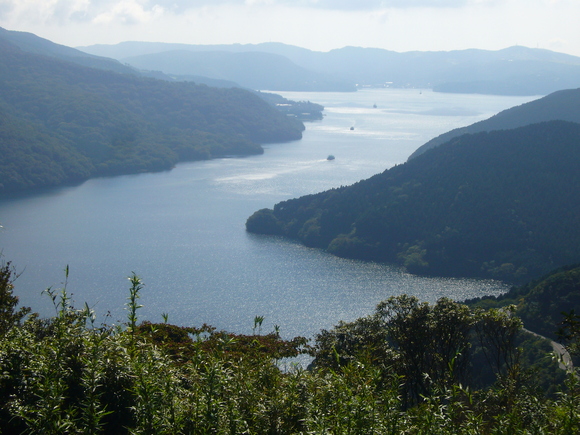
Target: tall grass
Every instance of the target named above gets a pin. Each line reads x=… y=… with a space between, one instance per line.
x=68 y=375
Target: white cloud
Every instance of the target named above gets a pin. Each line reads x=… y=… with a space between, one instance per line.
x=57 y=10
x=129 y=12
x=382 y=4
x=6 y=8
x=399 y=25
x=60 y=12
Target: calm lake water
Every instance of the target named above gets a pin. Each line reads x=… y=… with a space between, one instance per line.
x=183 y=231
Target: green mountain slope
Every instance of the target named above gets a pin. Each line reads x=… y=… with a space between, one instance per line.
x=563 y=105
x=30 y=43
x=501 y=204
x=540 y=303
x=63 y=122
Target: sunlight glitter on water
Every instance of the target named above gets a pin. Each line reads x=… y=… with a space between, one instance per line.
x=183 y=230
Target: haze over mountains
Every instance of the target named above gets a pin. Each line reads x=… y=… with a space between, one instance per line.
x=33 y=44
x=512 y=71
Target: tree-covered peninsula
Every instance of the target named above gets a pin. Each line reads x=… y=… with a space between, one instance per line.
x=500 y=204
x=63 y=122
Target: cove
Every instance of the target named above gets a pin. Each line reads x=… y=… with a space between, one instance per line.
x=182 y=231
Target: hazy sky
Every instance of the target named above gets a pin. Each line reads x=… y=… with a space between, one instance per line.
x=399 y=25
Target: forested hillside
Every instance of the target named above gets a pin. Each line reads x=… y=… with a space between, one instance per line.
x=561 y=105
x=62 y=122
x=501 y=204
x=542 y=304
x=30 y=43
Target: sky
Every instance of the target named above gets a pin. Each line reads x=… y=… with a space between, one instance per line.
x=320 y=25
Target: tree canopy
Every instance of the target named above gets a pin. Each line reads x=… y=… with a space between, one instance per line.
x=63 y=122
x=543 y=302
x=499 y=204
x=404 y=369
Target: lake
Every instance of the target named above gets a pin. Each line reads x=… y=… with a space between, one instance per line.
x=183 y=232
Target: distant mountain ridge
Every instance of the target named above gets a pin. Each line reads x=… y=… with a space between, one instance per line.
x=253 y=70
x=511 y=71
x=501 y=204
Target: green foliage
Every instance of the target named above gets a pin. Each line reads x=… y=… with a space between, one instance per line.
x=570 y=331
x=9 y=317
x=397 y=371
x=264 y=222
x=61 y=122
x=542 y=303
x=132 y=304
x=497 y=205
x=496 y=331
x=429 y=347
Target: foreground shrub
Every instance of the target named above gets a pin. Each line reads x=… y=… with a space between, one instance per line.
x=66 y=375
